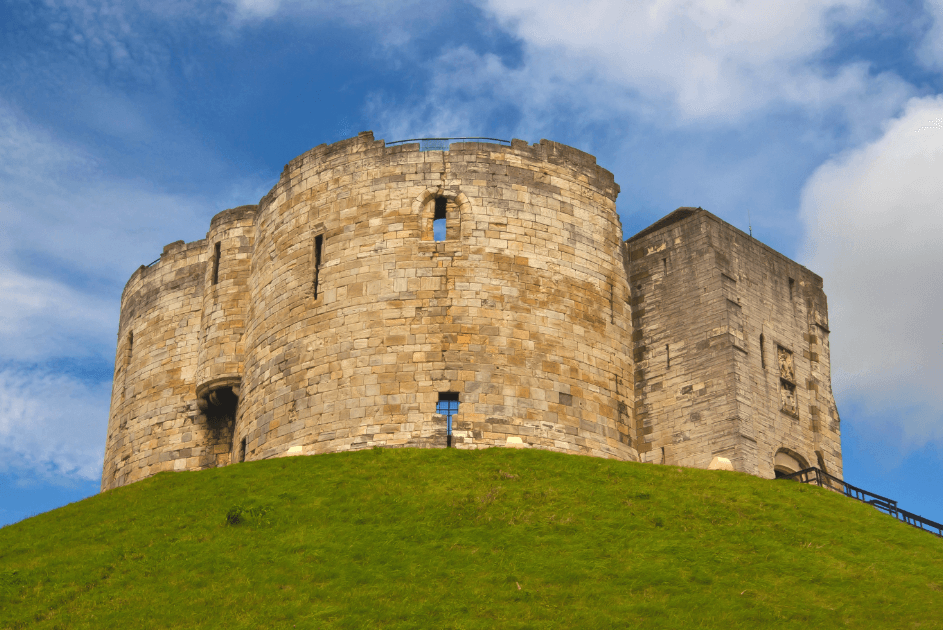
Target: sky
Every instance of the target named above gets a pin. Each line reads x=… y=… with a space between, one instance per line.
x=126 y=125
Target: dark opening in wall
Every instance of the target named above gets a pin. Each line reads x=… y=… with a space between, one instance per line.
x=664 y=262
x=667 y=356
x=219 y=408
x=216 y=255
x=242 y=450
x=127 y=365
x=792 y=287
x=318 y=245
x=448 y=407
x=762 y=354
x=439 y=219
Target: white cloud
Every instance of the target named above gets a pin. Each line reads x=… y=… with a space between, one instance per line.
x=52 y=425
x=710 y=59
x=61 y=211
x=42 y=318
x=668 y=64
x=874 y=226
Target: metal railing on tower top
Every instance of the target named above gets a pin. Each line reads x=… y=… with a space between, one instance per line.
x=888 y=506
x=442 y=144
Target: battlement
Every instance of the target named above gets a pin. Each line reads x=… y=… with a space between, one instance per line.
x=473 y=297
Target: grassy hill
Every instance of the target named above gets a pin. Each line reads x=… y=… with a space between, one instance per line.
x=497 y=538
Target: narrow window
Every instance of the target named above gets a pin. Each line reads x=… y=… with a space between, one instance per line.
x=792 y=287
x=127 y=366
x=667 y=356
x=242 y=450
x=762 y=354
x=439 y=220
x=664 y=262
x=448 y=407
x=318 y=245
x=216 y=264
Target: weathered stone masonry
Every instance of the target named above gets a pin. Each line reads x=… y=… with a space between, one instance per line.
x=328 y=318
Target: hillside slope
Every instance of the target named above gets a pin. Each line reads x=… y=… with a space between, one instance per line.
x=497 y=538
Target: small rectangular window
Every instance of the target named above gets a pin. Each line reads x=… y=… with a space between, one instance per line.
x=216 y=264
x=318 y=246
x=762 y=354
x=667 y=356
x=242 y=450
x=448 y=407
x=792 y=287
x=127 y=359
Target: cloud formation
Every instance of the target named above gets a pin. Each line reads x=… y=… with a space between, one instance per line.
x=72 y=234
x=52 y=425
x=708 y=60
x=874 y=220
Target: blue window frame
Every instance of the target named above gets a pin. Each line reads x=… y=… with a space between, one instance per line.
x=448 y=407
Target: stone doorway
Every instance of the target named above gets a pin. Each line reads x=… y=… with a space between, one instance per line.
x=219 y=408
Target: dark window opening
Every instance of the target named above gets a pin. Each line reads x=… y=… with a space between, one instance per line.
x=439 y=220
x=664 y=262
x=242 y=450
x=667 y=356
x=318 y=244
x=448 y=407
x=792 y=287
x=216 y=264
x=762 y=354
x=127 y=360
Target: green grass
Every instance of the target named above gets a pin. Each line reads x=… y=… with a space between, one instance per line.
x=498 y=538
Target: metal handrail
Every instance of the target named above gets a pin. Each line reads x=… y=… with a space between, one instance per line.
x=888 y=506
x=464 y=138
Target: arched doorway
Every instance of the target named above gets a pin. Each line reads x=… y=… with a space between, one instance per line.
x=786 y=462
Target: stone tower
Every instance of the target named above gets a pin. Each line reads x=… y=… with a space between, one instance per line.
x=472 y=297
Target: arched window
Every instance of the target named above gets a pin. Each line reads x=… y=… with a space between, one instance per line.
x=439 y=213
x=786 y=462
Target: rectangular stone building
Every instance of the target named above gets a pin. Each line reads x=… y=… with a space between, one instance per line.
x=730 y=350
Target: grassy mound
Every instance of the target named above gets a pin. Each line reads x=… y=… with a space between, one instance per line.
x=497 y=538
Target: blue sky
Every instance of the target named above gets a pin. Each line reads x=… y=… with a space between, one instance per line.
x=127 y=125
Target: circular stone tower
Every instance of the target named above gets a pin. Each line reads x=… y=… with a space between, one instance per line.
x=386 y=296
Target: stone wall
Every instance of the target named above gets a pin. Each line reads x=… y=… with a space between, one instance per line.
x=337 y=319
x=715 y=311
x=330 y=317
x=153 y=424
x=520 y=310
